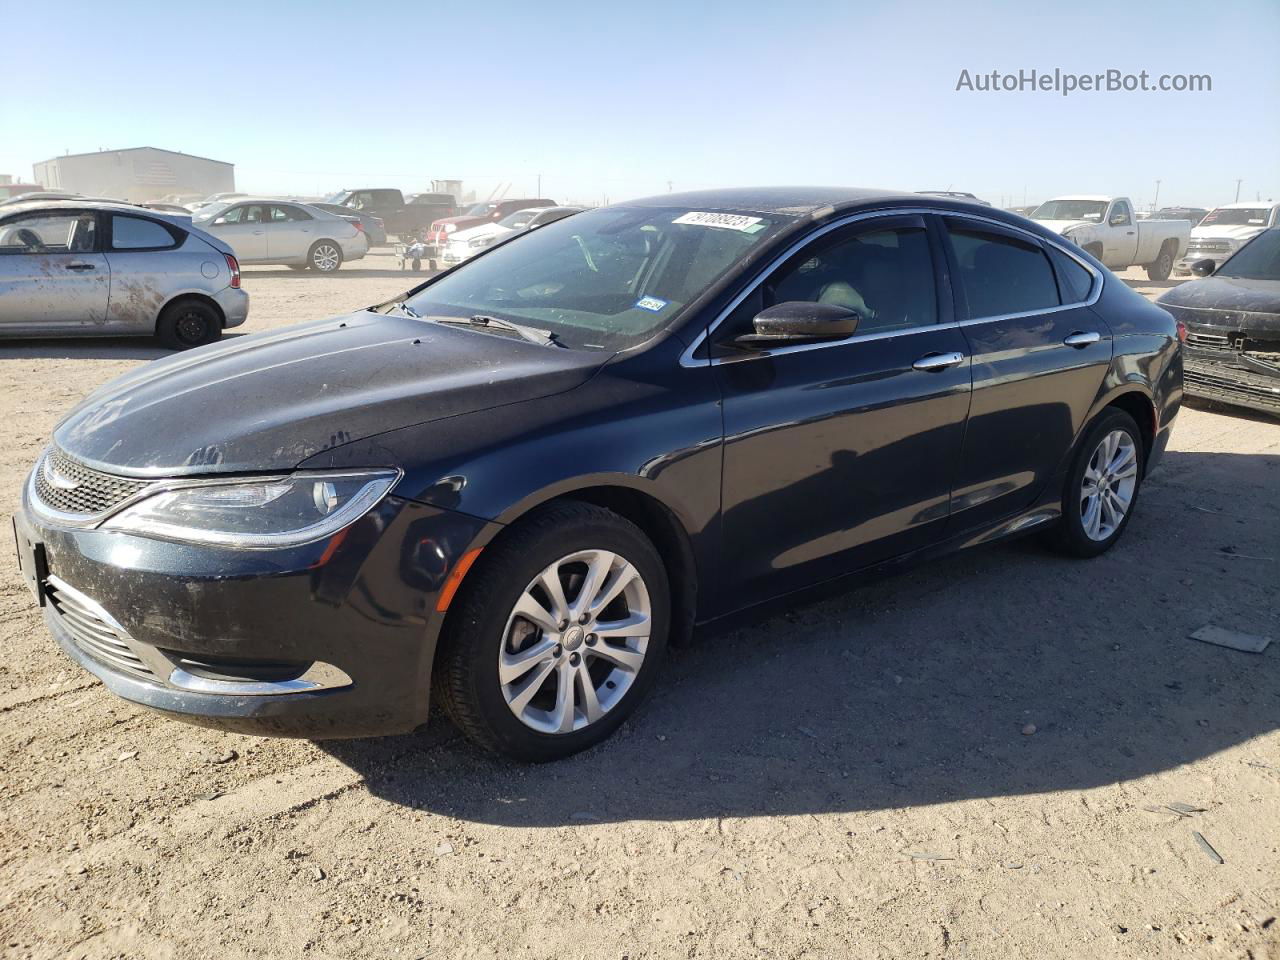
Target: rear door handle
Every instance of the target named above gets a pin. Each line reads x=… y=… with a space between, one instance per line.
x=80 y=265
x=938 y=361
x=1079 y=339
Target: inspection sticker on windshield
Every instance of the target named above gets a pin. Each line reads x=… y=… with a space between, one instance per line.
x=726 y=221
x=652 y=304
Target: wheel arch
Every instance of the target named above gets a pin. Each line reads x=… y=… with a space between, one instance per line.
x=1136 y=400
x=631 y=499
x=190 y=295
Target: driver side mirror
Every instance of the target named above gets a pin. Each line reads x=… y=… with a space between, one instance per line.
x=800 y=321
x=1203 y=268
x=1118 y=220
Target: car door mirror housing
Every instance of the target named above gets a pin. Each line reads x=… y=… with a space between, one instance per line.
x=1118 y=219
x=800 y=321
x=1203 y=268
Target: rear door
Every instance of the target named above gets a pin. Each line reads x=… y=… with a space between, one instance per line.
x=1039 y=355
x=244 y=228
x=290 y=232
x=53 y=275
x=839 y=455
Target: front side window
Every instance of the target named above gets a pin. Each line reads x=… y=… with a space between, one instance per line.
x=1120 y=216
x=1000 y=275
x=49 y=233
x=134 y=233
x=884 y=275
x=605 y=279
x=243 y=214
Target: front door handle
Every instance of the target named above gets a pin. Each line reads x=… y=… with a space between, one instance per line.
x=1080 y=340
x=258 y=233
x=80 y=265
x=938 y=361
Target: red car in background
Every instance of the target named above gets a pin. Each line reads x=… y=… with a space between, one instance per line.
x=490 y=211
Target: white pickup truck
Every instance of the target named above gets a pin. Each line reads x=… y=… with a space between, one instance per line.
x=1226 y=229
x=1107 y=228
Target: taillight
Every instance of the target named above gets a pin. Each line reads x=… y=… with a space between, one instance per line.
x=358 y=225
x=234 y=266
x=1182 y=332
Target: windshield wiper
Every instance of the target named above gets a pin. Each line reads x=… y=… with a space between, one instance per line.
x=407 y=310
x=532 y=334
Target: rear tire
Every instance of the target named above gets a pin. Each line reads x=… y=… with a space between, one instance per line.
x=1102 y=486
x=184 y=324
x=325 y=256
x=1163 y=265
x=519 y=687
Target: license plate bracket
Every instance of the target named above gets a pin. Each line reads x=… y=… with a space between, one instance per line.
x=33 y=562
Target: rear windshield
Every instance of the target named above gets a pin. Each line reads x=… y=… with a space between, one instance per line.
x=605 y=279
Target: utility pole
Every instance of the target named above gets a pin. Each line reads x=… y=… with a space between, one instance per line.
x=539 y=185
x=1238 y=182
x=668 y=186
x=1156 y=205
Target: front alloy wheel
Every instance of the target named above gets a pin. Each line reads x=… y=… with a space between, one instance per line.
x=565 y=663
x=556 y=634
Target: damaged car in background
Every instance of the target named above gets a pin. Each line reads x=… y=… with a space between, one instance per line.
x=1224 y=230
x=1232 y=318
x=75 y=268
x=1106 y=229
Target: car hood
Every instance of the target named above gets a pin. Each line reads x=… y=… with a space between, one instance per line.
x=1241 y=231
x=460 y=223
x=269 y=401
x=473 y=233
x=1260 y=299
x=1057 y=226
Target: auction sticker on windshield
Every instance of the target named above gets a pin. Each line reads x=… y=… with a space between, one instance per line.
x=652 y=304
x=726 y=221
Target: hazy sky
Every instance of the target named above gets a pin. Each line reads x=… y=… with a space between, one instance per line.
x=616 y=99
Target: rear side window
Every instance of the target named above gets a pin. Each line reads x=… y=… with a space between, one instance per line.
x=134 y=233
x=1074 y=280
x=1001 y=275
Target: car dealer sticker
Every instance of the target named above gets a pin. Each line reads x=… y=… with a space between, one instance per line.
x=726 y=221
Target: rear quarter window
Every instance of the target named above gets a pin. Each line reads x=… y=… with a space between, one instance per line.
x=134 y=233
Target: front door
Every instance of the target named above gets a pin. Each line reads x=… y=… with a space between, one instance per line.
x=244 y=228
x=1039 y=355
x=839 y=455
x=1120 y=239
x=53 y=275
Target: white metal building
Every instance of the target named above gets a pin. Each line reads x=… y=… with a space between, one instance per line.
x=139 y=173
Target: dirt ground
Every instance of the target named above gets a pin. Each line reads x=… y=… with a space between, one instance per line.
x=850 y=779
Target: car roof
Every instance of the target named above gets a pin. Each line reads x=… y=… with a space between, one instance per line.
x=1087 y=196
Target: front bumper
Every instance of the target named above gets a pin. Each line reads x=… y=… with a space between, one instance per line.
x=1231 y=381
x=215 y=637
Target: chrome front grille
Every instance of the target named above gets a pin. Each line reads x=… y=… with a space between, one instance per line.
x=1210 y=344
x=66 y=485
x=1209 y=248
x=92 y=629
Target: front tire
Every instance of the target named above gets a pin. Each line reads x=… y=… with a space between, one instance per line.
x=325 y=256
x=1102 y=486
x=557 y=634
x=188 y=323
x=1163 y=265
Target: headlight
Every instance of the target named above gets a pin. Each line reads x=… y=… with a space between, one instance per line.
x=450 y=227
x=262 y=512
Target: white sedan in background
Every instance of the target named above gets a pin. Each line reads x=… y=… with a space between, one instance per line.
x=467 y=243
x=279 y=231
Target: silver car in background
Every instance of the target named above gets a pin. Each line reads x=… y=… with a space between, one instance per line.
x=70 y=268
x=264 y=230
x=465 y=244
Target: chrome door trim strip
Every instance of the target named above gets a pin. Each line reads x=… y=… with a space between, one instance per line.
x=687 y=359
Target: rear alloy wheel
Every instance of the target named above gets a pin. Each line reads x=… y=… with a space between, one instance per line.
x=1102 y=488
x=325 y=256
x=187 y=324
x=557 y=634
x=1163 y=265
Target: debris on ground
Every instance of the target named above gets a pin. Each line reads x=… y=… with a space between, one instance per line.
x=1029 y=730
x=1207 y=847
x=1246 y=642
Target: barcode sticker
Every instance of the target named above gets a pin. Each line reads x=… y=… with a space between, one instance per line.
x=725 y=221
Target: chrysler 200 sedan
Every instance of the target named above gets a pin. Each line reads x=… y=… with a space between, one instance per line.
x=517 y=483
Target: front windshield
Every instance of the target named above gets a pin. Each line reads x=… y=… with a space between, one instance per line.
x=480 y=210
x=517 y=220
x=1236 y=217
x=338 y=198
x=1091 y=210
x=1259 y=259
x=605 y=279
x=210 y=210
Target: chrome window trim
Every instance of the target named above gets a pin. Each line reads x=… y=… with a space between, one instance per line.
x=687 y=358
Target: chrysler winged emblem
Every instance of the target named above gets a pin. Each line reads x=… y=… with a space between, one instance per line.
x=57 y=479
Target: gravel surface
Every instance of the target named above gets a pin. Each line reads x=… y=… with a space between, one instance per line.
x=1002 y=754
